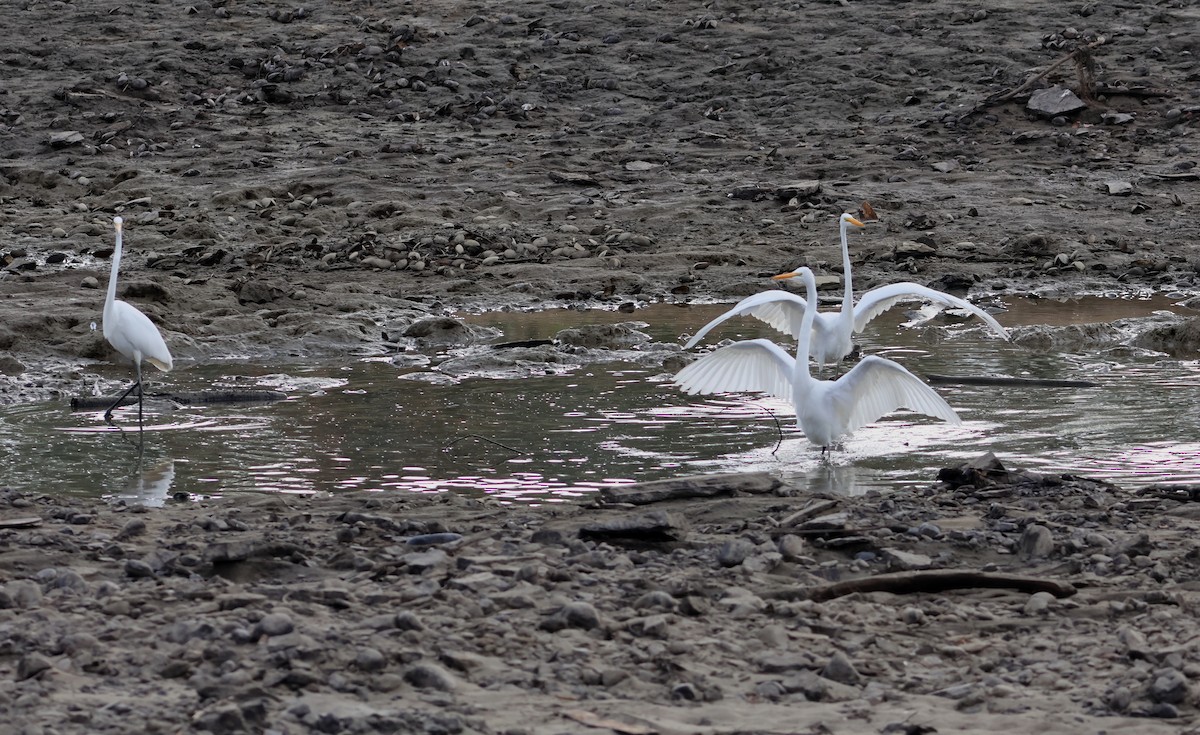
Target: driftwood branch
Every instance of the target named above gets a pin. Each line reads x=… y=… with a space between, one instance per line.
x=938 y=580
x=936 y=379
x=697 y=486
x=91 y=403
x=1082 y=58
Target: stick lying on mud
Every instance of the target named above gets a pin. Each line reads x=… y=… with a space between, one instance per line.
x=696 y=486
x=937 y=580
x=1082 y=58
x=89 y=403
x=989 y=380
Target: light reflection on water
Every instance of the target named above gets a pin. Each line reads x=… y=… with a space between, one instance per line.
x=559 y=438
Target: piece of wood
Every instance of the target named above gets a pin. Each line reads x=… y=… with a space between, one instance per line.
x=936 y=580
x=807 y=513
x=997 y=380
x=695 y=486
x=90 y=403
x=26 y=522
x=591 y=719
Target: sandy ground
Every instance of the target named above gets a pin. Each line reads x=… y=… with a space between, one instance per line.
x=310 y=181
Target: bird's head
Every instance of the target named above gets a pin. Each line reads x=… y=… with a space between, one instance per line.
x=849 y=219
x=117 y=222
x=798 y=273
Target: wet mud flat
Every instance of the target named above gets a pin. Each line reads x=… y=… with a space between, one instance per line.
x=729 y=605
x=303 y=181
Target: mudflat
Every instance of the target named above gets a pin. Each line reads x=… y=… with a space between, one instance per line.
x=306 y=180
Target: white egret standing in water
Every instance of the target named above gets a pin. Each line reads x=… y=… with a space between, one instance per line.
x=832 y=337
x=826 y=410
x=131 y=333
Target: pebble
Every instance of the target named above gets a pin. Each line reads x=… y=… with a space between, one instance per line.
x=1036 y=541
x=24 y=593
x=656 y=600
x=1038 y=604
x=1169 y=686
x=841 y=670
x=370 y=659
x=430 y=676
x=274 y=624
x=138 y=569
x=734 y=552
x=32 y=665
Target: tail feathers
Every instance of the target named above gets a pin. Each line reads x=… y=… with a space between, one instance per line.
x=164 y=365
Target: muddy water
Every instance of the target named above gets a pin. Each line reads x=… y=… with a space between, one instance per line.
x=360 y=424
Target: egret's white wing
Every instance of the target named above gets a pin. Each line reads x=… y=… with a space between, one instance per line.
x=131 y=330
x=782 y=310
x=877 y=386
x=878 y=300
x=749 y=365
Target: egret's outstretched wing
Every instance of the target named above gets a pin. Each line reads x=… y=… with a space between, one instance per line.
x=749 y=365
x=782 y=310
x=878 y=300
x=877 y=386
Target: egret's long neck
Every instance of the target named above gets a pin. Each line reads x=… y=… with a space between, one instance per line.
x=848 y=299
x=112 y=276
x=806 y=327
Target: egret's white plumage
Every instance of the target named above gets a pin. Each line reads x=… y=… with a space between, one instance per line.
x=832 y=337
x=131 y=332
x=826 y=410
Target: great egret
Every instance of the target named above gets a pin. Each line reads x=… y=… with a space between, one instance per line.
x=832 y=337
x=131 y=333
x=826 y=410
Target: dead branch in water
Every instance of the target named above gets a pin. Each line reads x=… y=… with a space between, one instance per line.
x=91 y=403
x=935 y=379
x=938 y=580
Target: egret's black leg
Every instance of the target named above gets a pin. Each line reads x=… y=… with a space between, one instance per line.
x=140 y=394
x=137 y=384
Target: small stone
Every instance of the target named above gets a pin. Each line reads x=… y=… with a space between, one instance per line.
x=791 y=546
x=1170 y=687
x=406 y=620
x=913 y=616
x=138 y=569
x=581 y=615
x=1054 y=101
x=430 y=676
x=904 y=560
x=1119 y=188
x=1036 y=541
x=274 y=624
x=370 y=659
x=32 y=665
x=1119 y=698
x=841 y=670
x=89 y=282
x=734 y=552
x=1038 y=604
x=656 y=600
x=24 y=593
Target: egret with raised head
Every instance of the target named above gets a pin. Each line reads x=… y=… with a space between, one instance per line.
x=131 y=332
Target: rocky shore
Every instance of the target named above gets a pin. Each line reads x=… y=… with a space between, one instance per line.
x=1014 y=602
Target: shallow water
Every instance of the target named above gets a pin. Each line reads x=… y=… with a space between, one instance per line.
x=360 y=425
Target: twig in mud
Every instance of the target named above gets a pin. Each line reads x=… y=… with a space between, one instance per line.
x=938 y=580
x=481 y=438
x=1075 y=55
